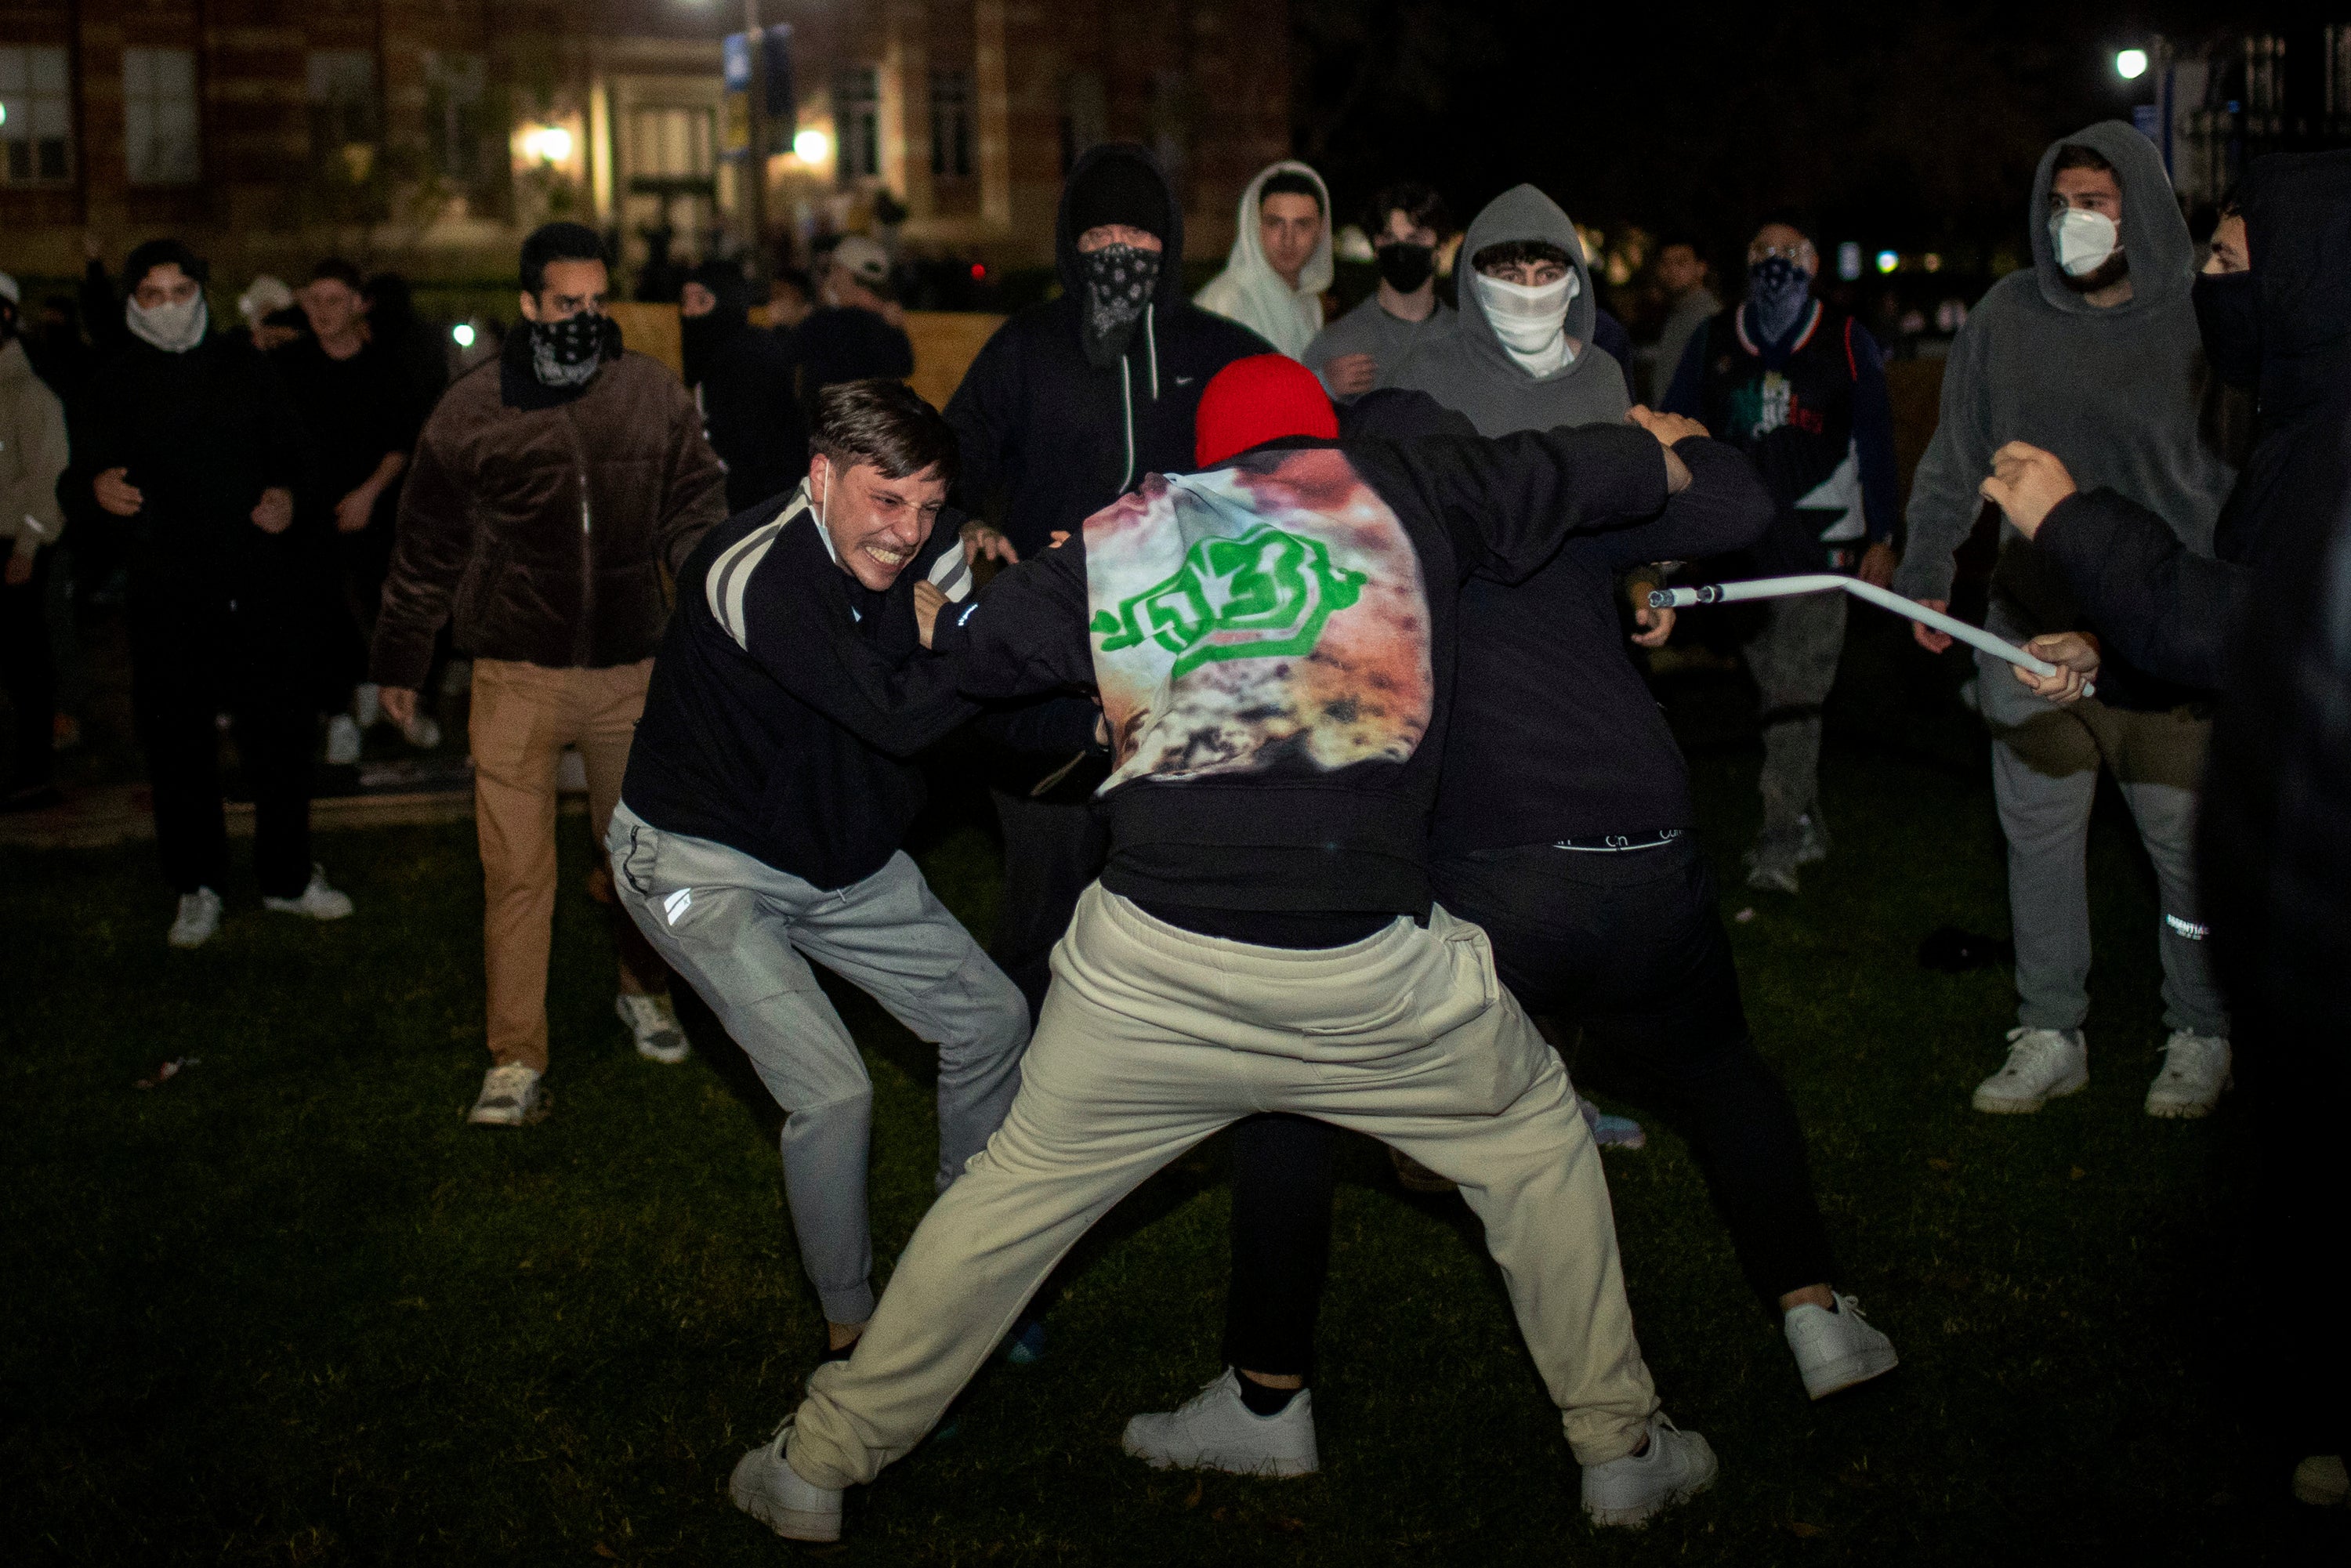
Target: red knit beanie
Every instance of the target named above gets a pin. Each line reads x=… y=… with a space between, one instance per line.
x=1259 y=399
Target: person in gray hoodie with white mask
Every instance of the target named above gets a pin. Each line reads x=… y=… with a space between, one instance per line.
x=2092 y=353
x=1520 y=355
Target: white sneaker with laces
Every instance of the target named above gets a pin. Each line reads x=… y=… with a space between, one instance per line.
x=2043 y=1064
x=653 y=1021
x=1214 y=1430
x=1835 y=1350
x=198 y=919
x=2196 y=1069
x=342 y=741
x=1677 y=1466
x=511 y=1095
x=317 y=900
x=422 y=731
x=766 y=1486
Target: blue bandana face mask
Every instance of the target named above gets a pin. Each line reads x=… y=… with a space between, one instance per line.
x=1778 y=290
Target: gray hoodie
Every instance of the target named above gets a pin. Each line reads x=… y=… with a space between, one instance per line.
x=1468 y=370
x=2113 y=392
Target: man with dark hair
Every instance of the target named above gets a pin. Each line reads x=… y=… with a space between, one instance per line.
x=1069 y=404
x=363 y=422
x=189 y=439
x=741 y=378
x=859 y=331
x=1406 y=221
x=551 y=486
x=1280 y=261
x=1797 y=384
x=2092 y=353
x=1681 y=273
x=773 y=781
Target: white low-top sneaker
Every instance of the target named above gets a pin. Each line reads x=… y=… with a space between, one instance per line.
x=198 y=920
x=511 y=1095
x=1835 y=1350
x=2042 y=1064
x=318 y=900
x=1677 y=1466
x=342 y=741
x=2196 y=1067
x=653 y=1023
x=766 y=1486
x=1214 y=1430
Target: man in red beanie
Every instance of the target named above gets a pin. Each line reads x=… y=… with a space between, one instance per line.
x=1273 y=642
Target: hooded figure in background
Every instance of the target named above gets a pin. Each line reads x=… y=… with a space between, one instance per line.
x=1284 y=309
x=1520 y=357
x=2093 y=355
x=742 y=381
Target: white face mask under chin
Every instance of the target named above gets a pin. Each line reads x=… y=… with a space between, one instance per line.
x=1531 y=320
x=2083 y=240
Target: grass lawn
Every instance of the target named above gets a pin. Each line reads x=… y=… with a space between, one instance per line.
x=287 y=1308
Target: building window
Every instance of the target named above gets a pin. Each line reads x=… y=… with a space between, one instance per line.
x=159 y=116
x=342 y=101
x=456 y=90
x=1085 y=116
x=951 y=125
x=36 y=117
x=857 y=123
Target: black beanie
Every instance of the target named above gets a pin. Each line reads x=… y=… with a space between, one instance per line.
x=1119 y=189
x=157 y=253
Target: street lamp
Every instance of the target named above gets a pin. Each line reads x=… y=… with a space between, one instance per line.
x=810 y=146
x=547 y=143
x=2131 y=64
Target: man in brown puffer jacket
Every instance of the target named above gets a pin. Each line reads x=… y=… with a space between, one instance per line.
x=550 y=491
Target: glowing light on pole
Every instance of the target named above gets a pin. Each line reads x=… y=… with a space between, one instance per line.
x=1887 y=261
x=2131 y=64
x=810 y=146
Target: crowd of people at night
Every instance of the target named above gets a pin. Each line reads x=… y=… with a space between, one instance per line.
x=1301 y=658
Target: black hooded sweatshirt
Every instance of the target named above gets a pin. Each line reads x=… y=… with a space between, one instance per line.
x=1063 y=439
x=742 y=381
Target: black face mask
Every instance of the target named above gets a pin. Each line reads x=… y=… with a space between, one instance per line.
x=1405 y=266
x=1119 y=281
x=567 y=353
x=2228 y=316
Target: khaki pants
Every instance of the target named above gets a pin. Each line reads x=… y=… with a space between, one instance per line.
x=1154 y=1037
x=524 y=717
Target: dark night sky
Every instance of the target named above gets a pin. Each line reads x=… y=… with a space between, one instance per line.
x=1909 y=125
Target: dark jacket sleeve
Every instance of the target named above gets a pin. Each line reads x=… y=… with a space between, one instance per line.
x=1025 y=634
x=1724 y=509
x=810 y=644
x=284 y=458
x=694 y=490
x=2161 y=607
x=432 y=540
x=1681 y=395
x=1509 y=502
x=1873 y=434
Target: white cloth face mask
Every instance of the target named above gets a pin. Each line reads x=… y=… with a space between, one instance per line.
x=174 y=328
x=2083 y=240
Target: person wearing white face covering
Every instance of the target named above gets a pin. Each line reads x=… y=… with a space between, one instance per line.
x=1280 y=261
x=2092 y=353
x=192 y=447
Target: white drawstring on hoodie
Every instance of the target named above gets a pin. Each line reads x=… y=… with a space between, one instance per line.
x=1531 y=320
x=1126 y=393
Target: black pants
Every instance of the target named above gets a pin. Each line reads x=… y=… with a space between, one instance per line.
x=30 y=676
x=1628 y=947
x=186 y=668
x=1053 y=847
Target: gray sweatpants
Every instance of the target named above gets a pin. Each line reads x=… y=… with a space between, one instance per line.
x=1794 y=661
x=2044 y=774
x=737 y=929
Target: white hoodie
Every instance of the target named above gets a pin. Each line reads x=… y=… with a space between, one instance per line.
x=1250 y=292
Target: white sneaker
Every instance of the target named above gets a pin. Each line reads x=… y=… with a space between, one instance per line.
x=422 y=731
x=1835 y=1350
x=2196 y=1067
x=511 y=1096
x=198 y=920
x=318 y=901
x=366 y=705
x=766 y=1486
x=1677 y=1466
x=1811 y=841
x=1214 y=1430
x=2042 y=1064
x=342 y=741
x=654 y=1023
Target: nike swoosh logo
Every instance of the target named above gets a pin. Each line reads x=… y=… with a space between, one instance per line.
x=1185 y=380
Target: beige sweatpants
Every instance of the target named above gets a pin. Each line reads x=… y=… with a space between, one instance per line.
x=1154 y=1037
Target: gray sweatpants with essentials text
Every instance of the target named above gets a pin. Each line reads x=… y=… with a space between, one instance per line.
x=742 y=932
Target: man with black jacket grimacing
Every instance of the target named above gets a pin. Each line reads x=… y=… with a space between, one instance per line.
x=1274 y=644
x=771 y=783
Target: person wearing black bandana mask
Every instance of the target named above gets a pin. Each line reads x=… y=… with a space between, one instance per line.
x=549 y=490
x=2263 y=623
x=1067 y=406
x=1407 y=222
x=743 y=380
